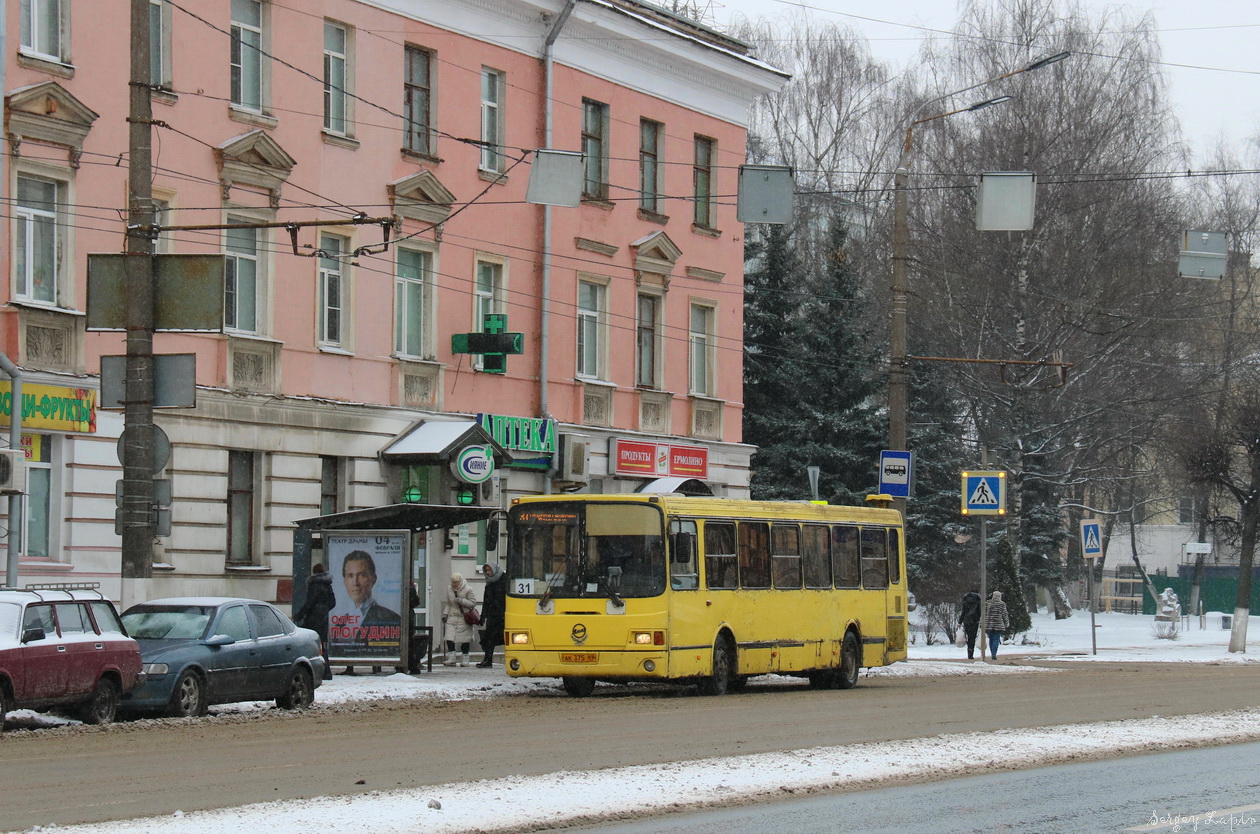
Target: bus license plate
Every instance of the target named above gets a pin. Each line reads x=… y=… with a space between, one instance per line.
x=579 y=657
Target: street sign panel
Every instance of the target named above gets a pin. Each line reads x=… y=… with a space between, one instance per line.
x=984 y=493
x=896 y=473
x=1091 y=538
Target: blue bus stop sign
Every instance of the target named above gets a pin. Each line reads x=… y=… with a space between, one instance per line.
x=896 y=473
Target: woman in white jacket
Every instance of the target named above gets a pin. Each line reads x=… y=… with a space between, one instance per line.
x=459 y=598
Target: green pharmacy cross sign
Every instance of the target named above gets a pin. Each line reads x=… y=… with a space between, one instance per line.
x=493 y=343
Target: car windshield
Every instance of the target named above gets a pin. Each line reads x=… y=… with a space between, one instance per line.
x=567 y=549
x=168 y=622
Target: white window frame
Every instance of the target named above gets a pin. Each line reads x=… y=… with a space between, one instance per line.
x=25 y=218
x=237 y=62
x=424 y=140
x=702 y=349
x=334 y=274
x=232 y=261
x=656 y=338
x=491 y=301
x=406 y=319
x=37 y=40
x=160 y=44
x=52 y=530
x=591 y=346
x=339 y=96
x=493 y=85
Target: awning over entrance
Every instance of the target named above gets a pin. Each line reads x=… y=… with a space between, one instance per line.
x=416 y=517
x=438 y=439
x=683 y=486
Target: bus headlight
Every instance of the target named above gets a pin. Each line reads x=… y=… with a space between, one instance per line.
x=520 y=638
x=647 y=638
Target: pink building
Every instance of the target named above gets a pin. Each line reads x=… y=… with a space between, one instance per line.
x=336 y=347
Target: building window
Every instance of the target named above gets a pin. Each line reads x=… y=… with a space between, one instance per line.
x=702 y=350
x=594 y=150
x=1186 y=510
x=42 y=27
x=703 y=180
x=418 y=101
x=590 y=322
x=650 y=166
x=492 y=86
x=247 y=62
x=240 y=280
x=329 y=485
x=160 y=43
x=240 y=546
x=331 y=289
x=411 y=303
x=336 y=77
x=38 y=241
x=39 y=497
x=648 y=330
x=488 y=294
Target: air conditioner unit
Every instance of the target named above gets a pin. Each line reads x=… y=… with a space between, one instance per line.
x=12 y=471
x=575 y=459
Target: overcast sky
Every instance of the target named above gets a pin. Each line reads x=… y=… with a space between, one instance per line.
x=1211 y=49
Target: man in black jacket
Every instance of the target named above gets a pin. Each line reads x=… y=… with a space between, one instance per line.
x=969 y=619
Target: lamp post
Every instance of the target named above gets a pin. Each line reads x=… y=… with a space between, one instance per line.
x=898 y=389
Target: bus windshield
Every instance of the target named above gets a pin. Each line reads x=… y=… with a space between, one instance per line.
x=571 y=549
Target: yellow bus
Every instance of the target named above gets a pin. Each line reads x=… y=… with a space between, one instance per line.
x=704 y=590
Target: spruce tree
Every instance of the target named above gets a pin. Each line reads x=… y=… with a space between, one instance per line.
x=1002 y=577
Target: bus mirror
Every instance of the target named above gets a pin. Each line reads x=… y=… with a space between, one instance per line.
x=683 y=548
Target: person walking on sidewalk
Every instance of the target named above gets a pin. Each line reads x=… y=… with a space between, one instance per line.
x=996 y=622
x=459 y=599
x=969 y=619
x=320 y=600
x=493 y=605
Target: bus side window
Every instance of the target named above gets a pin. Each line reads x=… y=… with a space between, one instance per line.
x=754 y=554
x=720 y=565
x=683 y=573
x=874 y=557
x=785 y=555
x=845 y=566
x=894 y=556
x=816 y=555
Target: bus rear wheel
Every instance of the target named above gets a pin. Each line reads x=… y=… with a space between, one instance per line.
x=578 y=687
x=847 y=676
x=719 y=683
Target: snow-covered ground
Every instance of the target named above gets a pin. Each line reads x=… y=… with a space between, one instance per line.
x=543 y=801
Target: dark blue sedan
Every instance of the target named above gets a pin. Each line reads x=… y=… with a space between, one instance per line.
x=199 y=651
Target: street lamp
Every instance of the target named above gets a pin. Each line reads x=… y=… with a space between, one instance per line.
x=898 y=391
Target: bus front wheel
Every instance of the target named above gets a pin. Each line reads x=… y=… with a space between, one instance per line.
x=723 y=669
x=849 y=666
x=578 y=687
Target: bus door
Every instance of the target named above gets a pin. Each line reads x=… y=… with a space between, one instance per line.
x=877 y=593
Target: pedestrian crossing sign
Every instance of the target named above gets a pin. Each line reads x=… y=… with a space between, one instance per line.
x=1091 y=538
x=984 y=493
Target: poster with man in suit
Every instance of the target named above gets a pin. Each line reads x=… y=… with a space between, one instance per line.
x=370 y=591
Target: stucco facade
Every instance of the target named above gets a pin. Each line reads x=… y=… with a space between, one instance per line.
x=335 y=342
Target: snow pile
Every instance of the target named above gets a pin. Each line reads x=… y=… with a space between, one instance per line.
x=564 y=797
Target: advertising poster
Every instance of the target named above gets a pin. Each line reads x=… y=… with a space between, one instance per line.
x=369 y=577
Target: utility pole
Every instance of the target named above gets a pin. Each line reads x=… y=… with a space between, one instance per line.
x=138 y=444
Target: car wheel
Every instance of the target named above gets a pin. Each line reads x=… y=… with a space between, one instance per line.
x=301 y=691
x=849 y=666
x=104 y=704
x=723 y=669
x=578 y=687
x=189 y=698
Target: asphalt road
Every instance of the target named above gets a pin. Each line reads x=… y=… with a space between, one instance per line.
x=84 y=774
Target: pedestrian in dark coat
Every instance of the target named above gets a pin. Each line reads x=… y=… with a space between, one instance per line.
x=313 y=614
x=969 y=619
x=493 y=606
x=996 y=622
